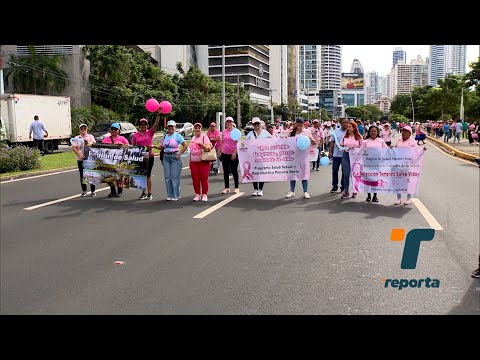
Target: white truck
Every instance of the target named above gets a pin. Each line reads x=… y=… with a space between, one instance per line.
x=18 y=110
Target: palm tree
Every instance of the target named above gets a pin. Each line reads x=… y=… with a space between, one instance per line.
x=36 y=73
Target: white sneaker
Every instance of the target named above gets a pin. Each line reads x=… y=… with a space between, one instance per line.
x=306 y=195
x=407 y=202
x=93 y=194
x=255 y=193
x=169 y=199
x=197 y=197
x=260 y=193
x=175 y=199
x=397 y=202
x=204 y=197
x=290 y=194
x=237 y=190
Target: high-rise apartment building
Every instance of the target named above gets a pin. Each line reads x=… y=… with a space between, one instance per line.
x=356 y=67
x=371 y=87
x=398 y=55
x=404 y=77
x=330 y=67
x=446 y=59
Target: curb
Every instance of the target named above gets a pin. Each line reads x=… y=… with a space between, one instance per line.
x=20 y=176
x=454 y=151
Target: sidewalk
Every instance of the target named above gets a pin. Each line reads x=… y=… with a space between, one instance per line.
x=464 y=146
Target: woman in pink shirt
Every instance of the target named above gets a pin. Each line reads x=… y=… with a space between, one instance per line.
x=229 y=156
x=406 y=141
x=317 y=134
x=115 y=138
x=373 y=141
x=387 y=134
x=214 y=137
x=351 y=140
x=144 y=137
x=298 y=130
x=198 y=168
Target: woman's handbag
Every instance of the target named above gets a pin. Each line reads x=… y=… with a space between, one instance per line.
x=208 y=155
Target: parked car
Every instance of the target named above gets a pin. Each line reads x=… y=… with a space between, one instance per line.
x=184 y=129
x=101 y=131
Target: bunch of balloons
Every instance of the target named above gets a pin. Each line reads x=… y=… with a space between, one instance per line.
x=153 y=105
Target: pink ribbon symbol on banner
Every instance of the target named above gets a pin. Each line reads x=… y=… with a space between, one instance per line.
x=246 y=171
x=358 y=178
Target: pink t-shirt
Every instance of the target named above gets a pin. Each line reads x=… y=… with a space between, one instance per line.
x=79 y=142
x=214 y=134
x=306 y=133
x=410 y=142
x=377 y=143
x=195 y=149
x=228 y=144
x=118 y=140
x=386 y=135
x=317 y=134
x=351 y=142
x=144 y=140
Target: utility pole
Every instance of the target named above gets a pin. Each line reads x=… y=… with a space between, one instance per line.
x=239 y=123
x=271 y=105
x=222 y=125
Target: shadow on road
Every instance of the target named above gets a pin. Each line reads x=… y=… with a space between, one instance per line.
x=330 y=202
x=470 y=304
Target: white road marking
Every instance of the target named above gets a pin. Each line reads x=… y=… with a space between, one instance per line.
x=38 y=176
x=453 y=157
x=217 y=206
x=434 y=224
x=60 y=200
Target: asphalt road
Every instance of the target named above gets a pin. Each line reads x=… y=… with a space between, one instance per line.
x=267 y=255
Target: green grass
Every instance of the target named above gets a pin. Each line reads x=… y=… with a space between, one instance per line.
x=48 y=162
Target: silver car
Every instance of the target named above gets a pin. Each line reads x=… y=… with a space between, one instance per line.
x=184 y=129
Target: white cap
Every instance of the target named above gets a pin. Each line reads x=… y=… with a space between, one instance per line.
x=171 y=122
x=79 y=126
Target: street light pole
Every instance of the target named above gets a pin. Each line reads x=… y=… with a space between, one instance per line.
x=271 y=105
x=222 y=124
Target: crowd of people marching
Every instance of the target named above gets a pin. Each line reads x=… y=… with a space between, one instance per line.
x=332 y=138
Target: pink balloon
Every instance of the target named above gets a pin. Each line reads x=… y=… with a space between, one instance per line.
x=152 y=105
x=166 y=107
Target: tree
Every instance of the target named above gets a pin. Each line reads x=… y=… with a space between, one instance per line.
x=472 y=78
x=36 y=73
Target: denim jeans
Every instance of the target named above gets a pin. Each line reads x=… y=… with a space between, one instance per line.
x=172 y=170
x=346 y=171
x=336 y=166
x=294 y=182
x=399 y=196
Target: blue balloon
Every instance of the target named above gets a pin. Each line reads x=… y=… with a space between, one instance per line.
x=324 y=161
x=303 y=142
x=235 y=134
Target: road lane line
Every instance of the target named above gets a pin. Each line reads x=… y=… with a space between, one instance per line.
x=217 y=206
x=37 y=176
x=60 y=200
x=434 y=224
x=437 y=147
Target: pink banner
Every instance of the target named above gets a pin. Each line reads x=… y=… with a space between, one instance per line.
x=395 y=170
x=273 y=159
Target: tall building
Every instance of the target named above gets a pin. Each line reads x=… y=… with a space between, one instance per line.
x=74 y=63
x=331 y=67
x=404 y=77
x=399 y=54
x=382 y=85
x=309 y=66
x=356 y=67
x=371 y=87
x=279 y=73
x=249 y=64
x=293 y=73
x=171 y=54
x=446 y=59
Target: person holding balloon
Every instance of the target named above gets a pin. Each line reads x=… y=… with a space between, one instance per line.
x=172 y=164
x=229 y=159
x=303 y=144
x=144 y=137
x=352 y=139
